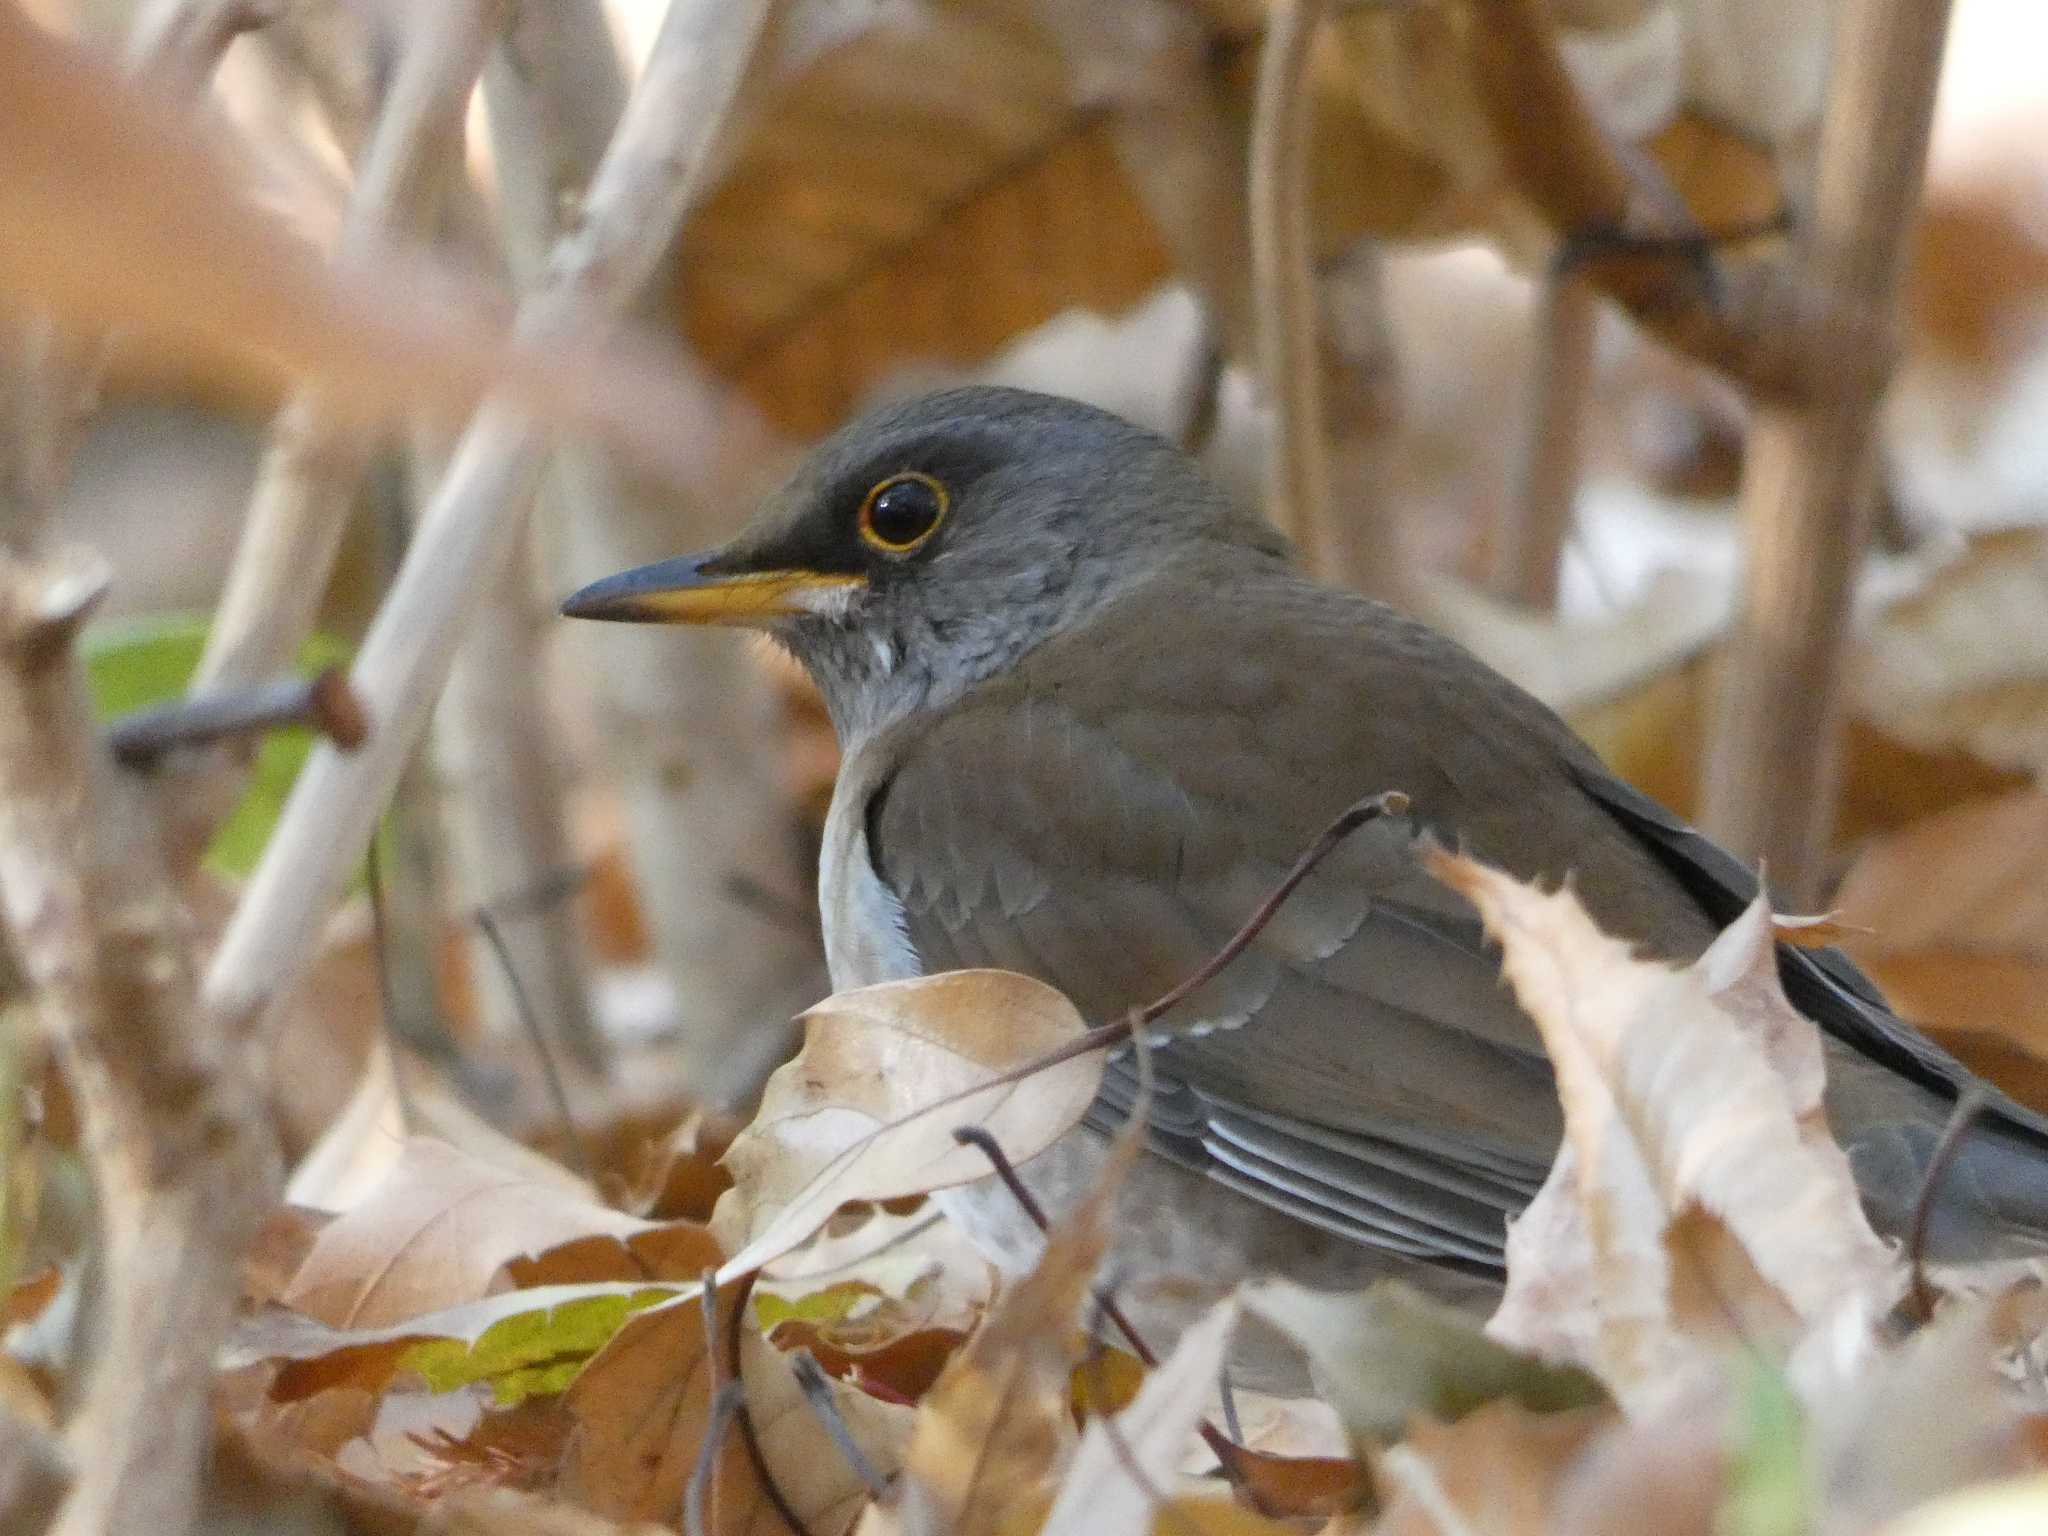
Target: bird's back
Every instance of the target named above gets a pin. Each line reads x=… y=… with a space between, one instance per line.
x=1105 y=814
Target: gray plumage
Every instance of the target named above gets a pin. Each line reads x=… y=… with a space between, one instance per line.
x=1090 y=723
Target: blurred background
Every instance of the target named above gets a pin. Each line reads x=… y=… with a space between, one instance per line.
x=922 y=191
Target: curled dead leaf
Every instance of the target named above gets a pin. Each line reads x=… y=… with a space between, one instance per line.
x=1698 y=1202
x=867 y=1109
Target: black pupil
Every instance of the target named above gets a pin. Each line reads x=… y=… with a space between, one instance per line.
x=903 y=512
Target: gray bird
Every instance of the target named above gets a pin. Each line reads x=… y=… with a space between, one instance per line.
x=1090 y=714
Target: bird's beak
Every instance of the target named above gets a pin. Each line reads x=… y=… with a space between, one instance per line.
x=707 y=589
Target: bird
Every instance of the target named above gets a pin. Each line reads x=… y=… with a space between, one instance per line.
x=1090 y=712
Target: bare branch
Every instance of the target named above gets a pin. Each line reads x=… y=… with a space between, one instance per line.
x=173 y=1127
x=315 y=459
x=1529 y=536
x=1758 y=323
x=1284 y=305
x=322 y=703
x=688 y=721
x=651 y=174
x=1807 y=489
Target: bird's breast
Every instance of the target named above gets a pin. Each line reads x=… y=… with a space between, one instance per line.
x=866 y=937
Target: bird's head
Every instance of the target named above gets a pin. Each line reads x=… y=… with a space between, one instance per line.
x=931 y=544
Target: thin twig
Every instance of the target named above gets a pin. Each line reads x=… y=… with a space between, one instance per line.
x=653 y=172
x=324 y=704
x=725 y=1403
x=749 y=1438
x=314 y=461
x=1284 y=307
x=977 y=1137
x=543 y=895
x=536 y=1035
x=817 y=1390
x=1970 y=1103
x=1390 y=802
x=1106 y=1421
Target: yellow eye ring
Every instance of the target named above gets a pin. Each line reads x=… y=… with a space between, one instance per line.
x=901 y=512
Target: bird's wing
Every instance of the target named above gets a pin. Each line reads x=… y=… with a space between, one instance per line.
x=1823 y=983
x=1107 y=827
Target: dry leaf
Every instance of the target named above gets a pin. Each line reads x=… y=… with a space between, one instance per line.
x=1497 y=1469
x=1968 y=878
x=1930 y=1416
x=2015 y=1506
x=801 y=1457
x=1964 y=661
x=1103 y=1490
x=1698 y=1201
x=445 y=1228
x=867 y=1109
x=641 y=1409
x=991 y=1434
x=360 y=1147
x=641 y=1412
x=1955 y=921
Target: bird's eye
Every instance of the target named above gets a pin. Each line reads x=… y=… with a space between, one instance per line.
x=902 y=511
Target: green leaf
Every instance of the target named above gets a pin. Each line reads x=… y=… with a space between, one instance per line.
x=1388 y=1352
x=1768 y=1490
x=530 y=1352
x=136 y=663
x=820 y=1309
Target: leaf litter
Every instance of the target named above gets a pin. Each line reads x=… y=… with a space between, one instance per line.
x=1698 y=1318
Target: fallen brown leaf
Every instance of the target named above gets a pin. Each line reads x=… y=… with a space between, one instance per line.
x=549 y=1327
x=1497 y=1470
x=814 y=1479
x=866 y=1111
x=444 y=1227
x=640 y=1411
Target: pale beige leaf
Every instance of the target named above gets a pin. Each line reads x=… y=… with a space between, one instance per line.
x=867 y=1109
x=802 y=1458
x=1102 y=1492
x=2013 y=1506
x=1698 y=1201
x=993 y=1431
x=444 y=1225
x=364 y=1142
